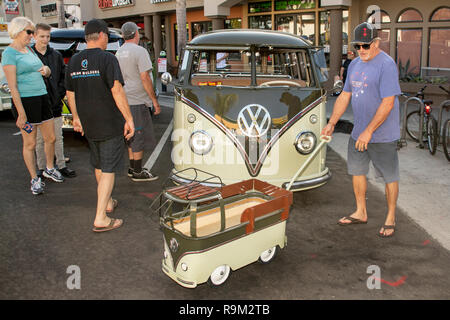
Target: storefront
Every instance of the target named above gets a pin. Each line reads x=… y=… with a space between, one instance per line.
x=197 y=23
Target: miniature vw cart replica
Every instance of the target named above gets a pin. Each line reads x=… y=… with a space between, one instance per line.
x=250 y=101
x=220 y=229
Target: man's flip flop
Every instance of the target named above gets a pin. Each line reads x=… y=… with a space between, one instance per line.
x=352 y=221
x=111 y=226
x=387 y=227
x=115 y=204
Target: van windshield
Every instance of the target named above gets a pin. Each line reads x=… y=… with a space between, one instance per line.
x=234 y=67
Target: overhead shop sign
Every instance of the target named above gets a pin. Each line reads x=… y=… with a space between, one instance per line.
x=107 y=4
x=11 y=7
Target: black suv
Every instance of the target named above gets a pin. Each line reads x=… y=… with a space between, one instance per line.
x=71 y=41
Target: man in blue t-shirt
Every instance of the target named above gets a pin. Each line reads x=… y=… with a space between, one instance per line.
x=372 y=87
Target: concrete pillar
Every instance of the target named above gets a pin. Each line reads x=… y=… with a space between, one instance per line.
x=168 y=41
x=157 y=36
x=148 y=27
x=218 y=22
x=335 y=43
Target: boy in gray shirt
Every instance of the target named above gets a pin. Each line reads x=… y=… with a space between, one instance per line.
x=136 y=68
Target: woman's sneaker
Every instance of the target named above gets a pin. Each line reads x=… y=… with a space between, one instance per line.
x=53 y=174
x=144 y=175
x=37 y=186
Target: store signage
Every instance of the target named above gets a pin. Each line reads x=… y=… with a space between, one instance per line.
x=283 y=5
x=49 y=10
x=106 y=4
x=11 y=7
x=159 y=1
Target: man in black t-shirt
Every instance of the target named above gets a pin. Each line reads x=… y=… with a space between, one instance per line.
x=101 y=112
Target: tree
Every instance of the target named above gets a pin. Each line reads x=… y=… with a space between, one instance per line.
x=61 y=13
x=181 y=25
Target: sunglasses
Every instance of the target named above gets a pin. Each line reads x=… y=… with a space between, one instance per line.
x=28 y=31
x=365 y=46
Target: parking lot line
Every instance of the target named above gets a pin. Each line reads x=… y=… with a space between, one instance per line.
x=155 y=154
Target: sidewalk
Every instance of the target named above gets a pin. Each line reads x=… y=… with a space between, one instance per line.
x=424 y=183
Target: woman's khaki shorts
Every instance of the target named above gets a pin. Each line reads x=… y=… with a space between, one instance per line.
x=384 y=158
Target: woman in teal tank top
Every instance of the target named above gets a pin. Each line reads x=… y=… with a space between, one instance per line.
x=24 y=72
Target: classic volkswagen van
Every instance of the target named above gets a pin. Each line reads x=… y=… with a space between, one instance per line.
x=250 y=104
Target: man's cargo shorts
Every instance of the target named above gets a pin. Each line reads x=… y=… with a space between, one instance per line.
x=384 y=158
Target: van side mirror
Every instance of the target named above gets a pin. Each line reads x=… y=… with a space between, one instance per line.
x=166 y=78
x=338 y=85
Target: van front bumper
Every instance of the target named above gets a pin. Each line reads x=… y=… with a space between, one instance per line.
x=308 y=184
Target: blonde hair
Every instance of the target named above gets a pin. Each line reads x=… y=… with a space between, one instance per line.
x=17 y=25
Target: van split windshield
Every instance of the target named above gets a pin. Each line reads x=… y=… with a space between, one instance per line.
x=234 y=67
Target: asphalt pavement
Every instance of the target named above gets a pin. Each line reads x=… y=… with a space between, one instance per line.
x=45 y=238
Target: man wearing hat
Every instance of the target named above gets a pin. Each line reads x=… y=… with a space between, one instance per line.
x=136 y=68
x=100 y=112
x=372 y=87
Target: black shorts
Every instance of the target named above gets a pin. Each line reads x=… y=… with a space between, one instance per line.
x=107 y=155
x=36 y=108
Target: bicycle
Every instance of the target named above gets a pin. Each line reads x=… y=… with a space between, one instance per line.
x=430 y=134
x=446 y=139
x=446 y=127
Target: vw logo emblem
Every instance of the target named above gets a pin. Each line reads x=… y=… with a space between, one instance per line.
x=173 y=245
x=254 y=120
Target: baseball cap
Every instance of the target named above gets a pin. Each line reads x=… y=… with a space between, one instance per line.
x=364 y=33
x=129 y=29
x=96 y=26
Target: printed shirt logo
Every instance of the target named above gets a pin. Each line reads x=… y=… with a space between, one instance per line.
x=84 y=64
x=358 y=83
x=254 y=120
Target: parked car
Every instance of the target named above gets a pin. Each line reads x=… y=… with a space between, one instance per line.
x=251 y=104
x=71 y=41
x=5 y=93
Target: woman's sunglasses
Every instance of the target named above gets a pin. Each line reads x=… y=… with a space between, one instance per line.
x=28 y=31
x=365 y=46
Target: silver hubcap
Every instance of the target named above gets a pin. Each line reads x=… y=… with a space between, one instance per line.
x=267 y=255
x=220 y=274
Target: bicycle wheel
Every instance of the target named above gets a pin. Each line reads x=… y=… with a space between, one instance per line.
x=412 y=126
x=431 y=134
x=446 y=139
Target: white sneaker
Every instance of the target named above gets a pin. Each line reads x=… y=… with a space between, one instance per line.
x=53 y=174
x=37 y=186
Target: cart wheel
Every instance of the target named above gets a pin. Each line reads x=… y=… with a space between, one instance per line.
x=219 y=275
x=268 y=255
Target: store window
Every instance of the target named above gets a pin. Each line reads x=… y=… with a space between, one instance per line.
x=260 y=22
x=409 y=48
x=300 y=24
x=257 y=7
x=385 y=38
x=235 y=23
x=441 y=14
x=439 y=50
x=201 y=27
x=286 y=5
x=325 y=24
x=410 y=15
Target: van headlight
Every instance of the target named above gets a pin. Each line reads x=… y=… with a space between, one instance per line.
x=305 y=142
x=200 y=142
